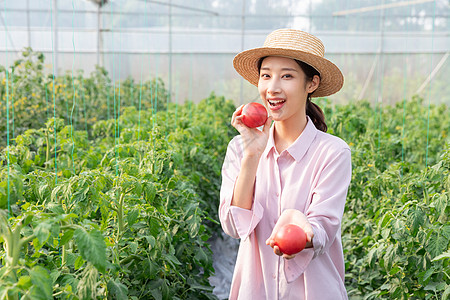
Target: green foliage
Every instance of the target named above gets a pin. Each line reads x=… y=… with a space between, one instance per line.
x=396 y=225
x=80 y=101
x=126 y=214
x=109 y=207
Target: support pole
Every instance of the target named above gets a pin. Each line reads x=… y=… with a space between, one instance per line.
x=369 y=76
x=433 y=73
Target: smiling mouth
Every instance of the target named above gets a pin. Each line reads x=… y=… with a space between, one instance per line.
x=275 y=102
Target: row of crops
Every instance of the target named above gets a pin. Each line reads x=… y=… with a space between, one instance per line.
x=107 y=190
x=396 y=226
x=122 y=217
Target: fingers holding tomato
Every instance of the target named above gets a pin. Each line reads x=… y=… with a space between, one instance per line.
x=291 y=234
x=237 y=116
x=278 y=252
x=290 y=239
x=254 y=140
x=252 y=115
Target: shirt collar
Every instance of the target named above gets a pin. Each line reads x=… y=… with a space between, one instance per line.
x=298 y=149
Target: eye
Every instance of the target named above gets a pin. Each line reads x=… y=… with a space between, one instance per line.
x=287 y=76
x=264 y=75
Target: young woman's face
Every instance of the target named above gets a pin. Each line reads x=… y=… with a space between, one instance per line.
x=282 y=87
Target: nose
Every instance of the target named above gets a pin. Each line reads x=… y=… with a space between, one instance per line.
x=273 y=86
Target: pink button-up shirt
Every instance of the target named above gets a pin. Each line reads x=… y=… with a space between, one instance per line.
x=312 y=175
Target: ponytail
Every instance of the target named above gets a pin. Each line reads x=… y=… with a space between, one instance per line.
x=313 y=110
x=316 y=115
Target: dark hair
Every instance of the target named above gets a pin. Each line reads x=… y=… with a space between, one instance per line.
x=314 y=112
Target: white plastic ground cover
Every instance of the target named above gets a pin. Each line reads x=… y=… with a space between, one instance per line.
x=224 y=250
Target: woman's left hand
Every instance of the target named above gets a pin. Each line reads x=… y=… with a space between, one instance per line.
x=291 y=216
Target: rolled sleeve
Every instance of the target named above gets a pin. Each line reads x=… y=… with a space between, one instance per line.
x=324 y=213
x=296 y=266
x=245 y=220
x=328 y=201
x=236 y=222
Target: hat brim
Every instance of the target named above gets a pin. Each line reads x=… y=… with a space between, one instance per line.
x=331 y=78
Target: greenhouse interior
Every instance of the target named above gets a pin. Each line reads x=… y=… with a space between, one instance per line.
x=117 y=118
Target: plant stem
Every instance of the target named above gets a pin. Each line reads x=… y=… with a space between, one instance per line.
x=120 y=216
x=16 y=245
x=47 y=153
x=63 y=255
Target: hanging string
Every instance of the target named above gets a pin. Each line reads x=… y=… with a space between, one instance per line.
x=114 y=94
x=140 y=84
x=8 y=160
x=152 y=100
x=335 y=24
x=139 y=107
x=428 y=91
x=152 y=106
x=405 y=77
x=83 y=94
x=119 y=97
x=155 y=100
x=380 y=80
x=12 y=105
x=176 y=102
x=46 y=101
x=107 y=103
x=118 y=107
x=107 y=87
x=169 y=95
x=74 y=89
x=190 y=87
x=54 y=96
x=64 y=96
x=130 y=95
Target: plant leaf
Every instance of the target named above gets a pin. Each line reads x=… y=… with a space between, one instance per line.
x=446 y=294
x=92 y=247
x=372 y=256
x=67 y=236
x=441 y=204
x=132 y=216
x=442 y=256
x=86 y=287
x=446 y=231
x=42 y=283
x=426 y=275
x=42 y=232
x=416 y=218
x=117 y=290
x=437 y=244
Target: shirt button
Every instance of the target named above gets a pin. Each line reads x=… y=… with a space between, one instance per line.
x=278 y=194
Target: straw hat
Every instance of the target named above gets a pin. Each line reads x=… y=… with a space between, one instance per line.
x=294 y=44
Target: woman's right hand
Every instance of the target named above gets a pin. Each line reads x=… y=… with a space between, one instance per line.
x=254 y=140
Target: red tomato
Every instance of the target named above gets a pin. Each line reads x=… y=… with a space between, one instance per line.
x=254 y=115
x=290 y=239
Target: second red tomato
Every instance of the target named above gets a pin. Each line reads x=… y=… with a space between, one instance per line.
x=290 y=239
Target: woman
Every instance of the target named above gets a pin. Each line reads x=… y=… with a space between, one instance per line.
x=291 y=172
